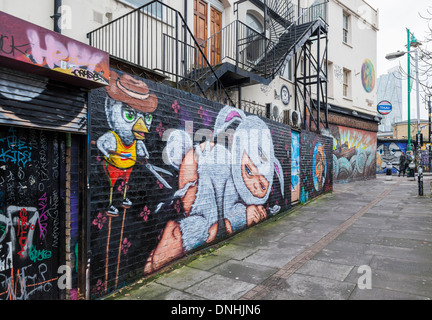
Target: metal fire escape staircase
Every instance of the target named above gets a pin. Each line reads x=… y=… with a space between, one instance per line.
x=249 y=57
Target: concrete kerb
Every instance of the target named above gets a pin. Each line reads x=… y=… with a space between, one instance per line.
x=202 y=252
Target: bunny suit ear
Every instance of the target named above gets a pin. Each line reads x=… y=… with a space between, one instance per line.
x=227 y=116
x=279 y=173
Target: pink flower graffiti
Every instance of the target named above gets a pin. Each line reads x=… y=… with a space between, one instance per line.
x=176 y=106
x=160 y=129
x=125 y=246
x=99 y=288
x=99 y=221
x=145 y=213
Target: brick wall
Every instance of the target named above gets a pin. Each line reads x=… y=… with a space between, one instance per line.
x=199 y=193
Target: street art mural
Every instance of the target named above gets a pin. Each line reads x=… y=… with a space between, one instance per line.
x=319 y=167
x=368 y=75
x=29 y=100
x=295 y=166
x=354 y=153
x=316 y=164
x=128 y=109
x=219 y=170
x=389 y=152
x=32 y=209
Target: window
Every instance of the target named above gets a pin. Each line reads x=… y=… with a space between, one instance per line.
x=154 y=9
x=346 y=27
x=330 y=79
x=346 y=83
x=254 y=23
x=256 y=43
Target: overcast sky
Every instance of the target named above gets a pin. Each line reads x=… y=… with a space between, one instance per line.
x=394 y=17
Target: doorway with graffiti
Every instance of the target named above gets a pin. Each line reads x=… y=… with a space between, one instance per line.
x=32 y=210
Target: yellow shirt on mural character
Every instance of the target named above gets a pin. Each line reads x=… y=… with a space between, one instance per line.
x=129 y=154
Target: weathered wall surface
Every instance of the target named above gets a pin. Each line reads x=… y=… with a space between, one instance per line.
x=160 y=187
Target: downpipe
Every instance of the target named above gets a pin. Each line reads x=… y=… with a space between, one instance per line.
x=57 y=15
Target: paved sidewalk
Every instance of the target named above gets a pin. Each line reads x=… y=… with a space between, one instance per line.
x=375 y=232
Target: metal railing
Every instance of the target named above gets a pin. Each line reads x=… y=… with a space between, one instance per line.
x=253 y=51
x=296 y=29
x=261 y=110
x=241 y=45
x=318 y=10
x=156 y=37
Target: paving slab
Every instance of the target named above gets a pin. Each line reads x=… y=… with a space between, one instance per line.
x=318 y=288
x=247 y=272
x=317 y=251
x=218 y=287
x=183 y=278
x=325 y=269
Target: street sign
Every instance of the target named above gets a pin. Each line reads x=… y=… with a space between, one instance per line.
x=384 y=107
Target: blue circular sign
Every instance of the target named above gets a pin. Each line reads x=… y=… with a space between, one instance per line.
x=384 y=107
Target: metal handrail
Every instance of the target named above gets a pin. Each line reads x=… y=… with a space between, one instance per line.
x=233 y=49
x=242 y=45
x=157 y=37
x=306 y=16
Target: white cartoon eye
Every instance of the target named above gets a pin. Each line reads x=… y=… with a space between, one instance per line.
x=148 y=118
x=129 y=115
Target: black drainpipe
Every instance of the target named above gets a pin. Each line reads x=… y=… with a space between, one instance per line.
x=57 y=15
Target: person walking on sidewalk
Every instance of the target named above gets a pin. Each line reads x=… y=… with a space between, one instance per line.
x=402 y=164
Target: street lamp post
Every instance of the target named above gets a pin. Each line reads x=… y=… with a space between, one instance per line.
x=409 y=91
x=412 y=42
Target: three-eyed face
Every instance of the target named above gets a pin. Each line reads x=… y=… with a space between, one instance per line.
x=254 y=181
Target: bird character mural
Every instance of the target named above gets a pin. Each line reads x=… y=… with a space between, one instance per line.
x=128 y=108
x=222 y=190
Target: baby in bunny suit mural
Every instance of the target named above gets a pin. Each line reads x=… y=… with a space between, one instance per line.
x=222 y=190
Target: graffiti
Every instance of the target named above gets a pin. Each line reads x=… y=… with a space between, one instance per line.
x=25 y=283
x=22 y=231
x=31 y=44
x=8 y=46
x=338 y=72
x=24 y=220
x=389 y=152
x=56 y=53
x=42 y=221
x=128 y=110
x=14 y=150
x=319 y=167
x=30 y=213
x=354 y=153
x=368 y=75
x=87 y=74
x=221 y=170
x=295 y=166
x=39 y=255
x=222 y=190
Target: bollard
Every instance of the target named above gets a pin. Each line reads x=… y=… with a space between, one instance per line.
x=389 y=172
x=420 y=180
x=412 y=171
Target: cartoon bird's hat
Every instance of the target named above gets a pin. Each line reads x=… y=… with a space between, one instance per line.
x=131 y=91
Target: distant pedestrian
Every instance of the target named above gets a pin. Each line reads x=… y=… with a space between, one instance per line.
x=403 y=164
